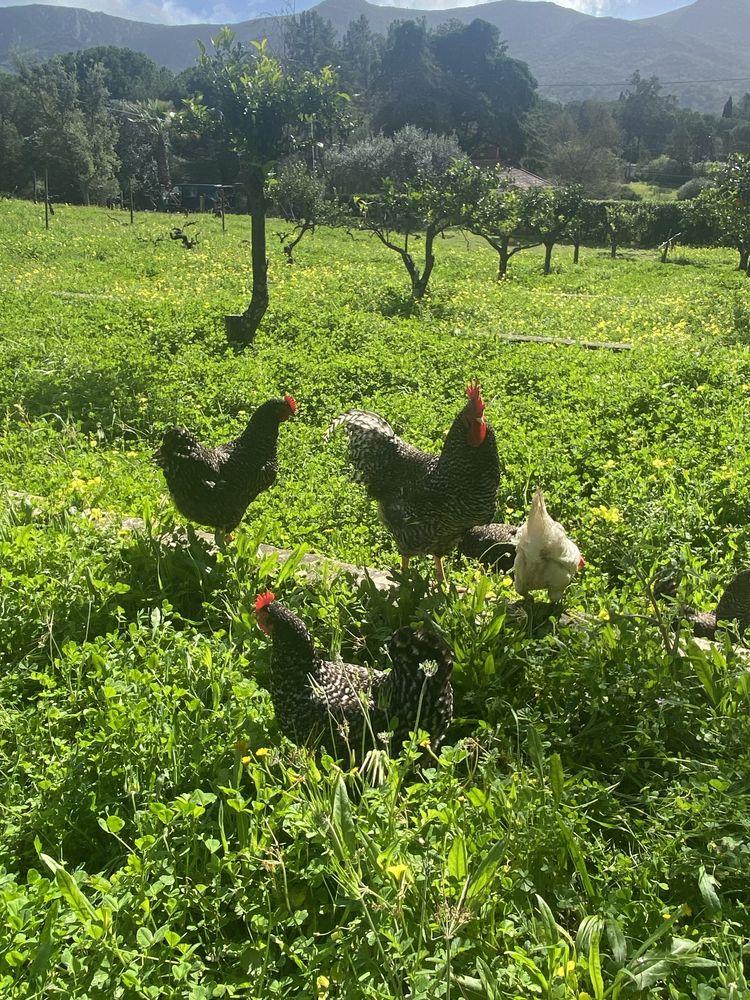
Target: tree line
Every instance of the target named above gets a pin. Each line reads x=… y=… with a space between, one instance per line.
x=104 y=120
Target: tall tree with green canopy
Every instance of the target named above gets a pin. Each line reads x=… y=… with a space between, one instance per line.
x=645 y=115
x=70 y=129
x=265 y=114
x=488 y=92
x=309 y=42
x=360 y=54
x=409 y=89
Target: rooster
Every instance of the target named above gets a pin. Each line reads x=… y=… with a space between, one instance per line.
x=214 y=486
x=546 y=559
x=427 y=501
x=346 y=707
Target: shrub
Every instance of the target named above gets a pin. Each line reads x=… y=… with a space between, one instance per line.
x=363 y=167
x=692 y=188
x=668 y=172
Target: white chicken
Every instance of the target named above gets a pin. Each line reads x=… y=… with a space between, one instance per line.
x=546 y=559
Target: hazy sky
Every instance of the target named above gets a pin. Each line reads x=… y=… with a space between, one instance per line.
x=228 y=11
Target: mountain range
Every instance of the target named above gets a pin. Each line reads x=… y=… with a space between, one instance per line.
x=700 y=52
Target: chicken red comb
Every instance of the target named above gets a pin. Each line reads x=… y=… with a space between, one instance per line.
x=263 y=600
x=474 y=395
x=291 y=402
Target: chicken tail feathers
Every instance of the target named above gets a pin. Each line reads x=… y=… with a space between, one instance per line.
x=422 y=654
x=373 y=448
x=419 y=685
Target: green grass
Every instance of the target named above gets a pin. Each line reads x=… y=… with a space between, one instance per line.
x=585 y=832
x=653 y=192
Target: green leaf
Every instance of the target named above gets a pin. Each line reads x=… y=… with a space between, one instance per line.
x=595 y=964
x=144 y=937
x=536 y=752
x=71 y=893
x=485 y=873
x=114 y=824
x=617 y=941
x=577 y=857
x=552 y=931
x=457 y=862
x=342 y=816
x=707 y=886
x=44 y=949
x=556 y=777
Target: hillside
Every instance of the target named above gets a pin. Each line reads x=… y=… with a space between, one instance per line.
x=702 y=44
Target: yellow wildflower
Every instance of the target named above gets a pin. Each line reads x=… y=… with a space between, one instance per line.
x=397 y=870
x=261 y=752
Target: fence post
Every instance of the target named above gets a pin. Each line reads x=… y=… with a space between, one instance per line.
x=46 y=198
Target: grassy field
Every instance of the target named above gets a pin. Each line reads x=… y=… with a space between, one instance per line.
x=585 y=833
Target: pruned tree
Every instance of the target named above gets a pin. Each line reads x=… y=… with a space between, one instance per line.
x=419 y=210
x=495 y=211
x=298 y=196
x=550 y=212
x=726 y=205
x=622 y=221
x=265 y=115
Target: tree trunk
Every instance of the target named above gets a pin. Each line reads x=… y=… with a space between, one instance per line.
x=548 y=257
x=162 y=162
x=744 y=258
x=576 y=251
x=613 y=248
x=502 y=266
x=242 y=329
x=419 y=286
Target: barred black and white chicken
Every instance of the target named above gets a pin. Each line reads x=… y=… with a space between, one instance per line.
x=427 y=501
x=492 y=545
x=346 y=707
x=733 y=606
x=214 y=486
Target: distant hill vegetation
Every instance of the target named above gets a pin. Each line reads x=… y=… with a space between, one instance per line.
x=700 y=52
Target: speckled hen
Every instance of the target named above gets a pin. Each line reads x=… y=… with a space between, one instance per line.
x=214 y=486
x=427 y=501
x=346 y=707
x=733 y=606
x=492 y=545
